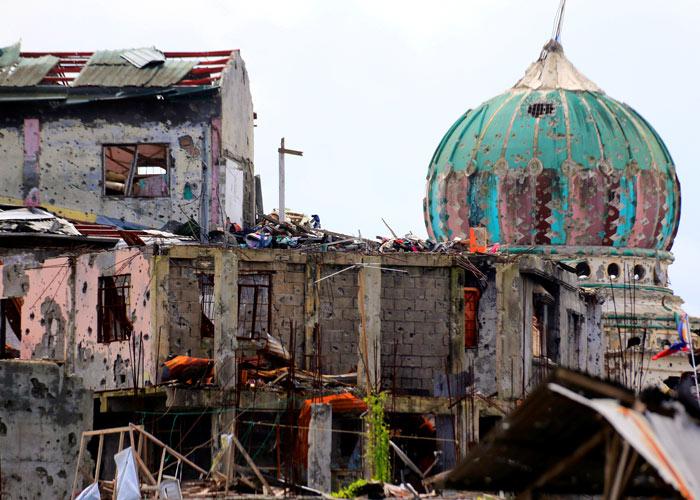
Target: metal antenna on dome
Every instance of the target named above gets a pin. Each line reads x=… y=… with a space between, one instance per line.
x=558 y=21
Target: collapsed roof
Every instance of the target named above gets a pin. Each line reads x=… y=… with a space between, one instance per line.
x=55 y=75
x=579 y=435
x=29 y=226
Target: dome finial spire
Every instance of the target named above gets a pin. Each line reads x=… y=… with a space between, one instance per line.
x=558 y=21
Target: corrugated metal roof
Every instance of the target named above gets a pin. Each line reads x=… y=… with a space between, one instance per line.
x=143 y=56
x=107 y=68
x=28 y=72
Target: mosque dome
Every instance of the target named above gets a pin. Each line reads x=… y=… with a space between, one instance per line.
x=554 y=161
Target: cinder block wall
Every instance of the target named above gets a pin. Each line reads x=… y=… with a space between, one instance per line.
x=415 y=328
x=287 y=295
x=339 y=320
x=185 y=309
x=415 y=317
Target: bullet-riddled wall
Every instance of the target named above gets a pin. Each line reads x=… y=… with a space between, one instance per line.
x=59 y=316
x=43 y=412
x=53 y=154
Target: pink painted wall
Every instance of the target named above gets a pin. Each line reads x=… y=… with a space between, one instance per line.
x=49 y=291
x=111 y=366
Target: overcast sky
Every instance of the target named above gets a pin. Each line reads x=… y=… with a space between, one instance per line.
x=367 y=88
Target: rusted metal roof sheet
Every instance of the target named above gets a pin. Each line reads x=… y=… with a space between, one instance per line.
x=144 y=56
x=27 y=72
x=108 y=68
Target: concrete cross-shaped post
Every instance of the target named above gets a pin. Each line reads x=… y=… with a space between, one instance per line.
x=282 y=151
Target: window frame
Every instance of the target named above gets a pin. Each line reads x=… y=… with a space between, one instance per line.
x=252 y=334
x=206 y=282
x=10 y=322
x=471 y=324
x=126 y=328
x=132 y=177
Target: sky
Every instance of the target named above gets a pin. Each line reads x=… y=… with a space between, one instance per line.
x=368 y=88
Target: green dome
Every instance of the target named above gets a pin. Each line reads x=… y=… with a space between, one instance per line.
x=554 y=161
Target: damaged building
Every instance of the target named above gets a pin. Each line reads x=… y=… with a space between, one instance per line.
x=157 y=325
x=139 y=138
x=555 y=167
x=189 y=339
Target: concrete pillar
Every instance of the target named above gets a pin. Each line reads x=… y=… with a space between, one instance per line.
x=225 y=327
x=225 y=317
x=320 y=442
x=369 y=293
x=458 y=358
x=69 y=344
x=160 y=309
x=509 y=346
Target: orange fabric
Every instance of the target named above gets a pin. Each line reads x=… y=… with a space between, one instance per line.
x=474 y=247
x=188 y=370
x=340 y=403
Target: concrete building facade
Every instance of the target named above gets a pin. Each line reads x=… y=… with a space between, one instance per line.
x=97 y=137
x=405 y=324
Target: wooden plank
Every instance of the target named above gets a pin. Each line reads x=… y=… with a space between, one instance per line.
x=98 y=465
x=116 y=472
x=174 y=453
x=160 y=471
x=554 y=471
x=144 y=469
x=404 y=458
x=229 y=452
x=617 y=487
x=265 y=485
x=73 y=493
x=112 y=430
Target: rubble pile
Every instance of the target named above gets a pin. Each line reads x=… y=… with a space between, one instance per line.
x=303 y=232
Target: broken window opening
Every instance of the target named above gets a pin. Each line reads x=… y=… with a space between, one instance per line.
x=538 y=109
x=471 y=323
x=545 y=334
x=113 y=322
x=583 y=270
x=206 y=303
x=254 y=305
x=575 y=326
x=613 y=271
x=136 y=170
x=10 y=327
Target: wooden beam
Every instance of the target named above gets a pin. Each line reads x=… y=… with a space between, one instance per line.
x=618 y=487
x=174 y=453
x=554 y=471
x=160 y=471
x=404 y=458
x=98 y=465
x=144 y=469
x=77 y=467
x=265 y=485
